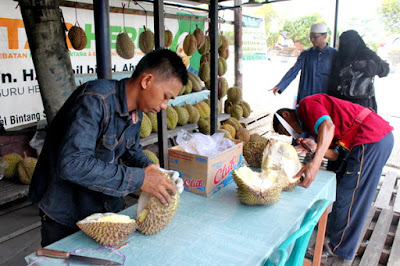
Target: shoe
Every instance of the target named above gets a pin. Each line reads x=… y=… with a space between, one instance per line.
x=326 y=253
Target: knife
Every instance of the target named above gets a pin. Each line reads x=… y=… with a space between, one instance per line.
x=292 y=132
x=59 y=254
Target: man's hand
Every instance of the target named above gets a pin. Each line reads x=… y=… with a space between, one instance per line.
x=308 y=173
x=157 y=184
x=275 y=90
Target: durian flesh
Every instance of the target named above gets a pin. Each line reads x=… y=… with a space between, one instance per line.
x=254 y=188
x=108 y=228
x=152 y=216
x=280 y=160
x=280 y=163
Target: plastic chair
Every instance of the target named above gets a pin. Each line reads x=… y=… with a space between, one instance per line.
x=301 y=238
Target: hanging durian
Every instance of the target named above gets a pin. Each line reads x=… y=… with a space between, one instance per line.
x=146 y=41
x=124 y=46
x=168 y=37
x=77 y=37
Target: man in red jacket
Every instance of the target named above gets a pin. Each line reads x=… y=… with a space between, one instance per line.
x=367 y=142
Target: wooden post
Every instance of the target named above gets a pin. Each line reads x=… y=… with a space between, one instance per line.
x=46 y=34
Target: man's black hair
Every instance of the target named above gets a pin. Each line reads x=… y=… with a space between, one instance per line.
x=165 y=62
x=276 y=122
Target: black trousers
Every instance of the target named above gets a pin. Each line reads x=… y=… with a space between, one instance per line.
x=52 y=231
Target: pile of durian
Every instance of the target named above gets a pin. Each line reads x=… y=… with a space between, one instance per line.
x=15 y=167
x=280 y=164
x=151 y=217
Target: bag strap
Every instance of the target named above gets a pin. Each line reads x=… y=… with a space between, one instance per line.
x=348 y=139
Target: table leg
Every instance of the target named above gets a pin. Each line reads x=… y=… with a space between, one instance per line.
x=319 y=243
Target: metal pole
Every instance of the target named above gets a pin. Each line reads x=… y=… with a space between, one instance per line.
x=162 y=115
x=335 y=26
x=214 y=64
x=238 y=29
x=103 y=42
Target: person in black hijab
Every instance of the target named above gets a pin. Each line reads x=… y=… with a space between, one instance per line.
x=353 y=52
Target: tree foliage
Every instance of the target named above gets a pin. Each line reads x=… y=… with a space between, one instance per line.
x=390 y=13
x=270 y=15
x=299 y=28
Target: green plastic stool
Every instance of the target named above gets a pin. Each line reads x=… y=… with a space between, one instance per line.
x=301 y=238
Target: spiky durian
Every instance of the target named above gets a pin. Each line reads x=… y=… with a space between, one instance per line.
x=108 y=228
x=77 y=37
x=152 y=156
x=280 y=159
x=146 y=41
x=25 y=169
x=12 y=160
x=124 y=46
x=152 y=216
x=253 y=151
x=255 y=188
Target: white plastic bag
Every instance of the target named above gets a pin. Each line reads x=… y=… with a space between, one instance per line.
x=204 y=145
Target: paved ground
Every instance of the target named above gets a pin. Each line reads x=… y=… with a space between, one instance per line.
x=260 y=76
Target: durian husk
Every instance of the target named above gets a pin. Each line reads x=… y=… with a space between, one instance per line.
x=261 y=191
x=168 y=37
x=124 y=46
x=151 y=215
x=158 y=216
x=77 y=37
x=107 y=233
x=146 y=41
x=26 y=167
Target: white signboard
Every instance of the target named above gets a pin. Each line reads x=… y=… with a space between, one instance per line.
x=20 y=100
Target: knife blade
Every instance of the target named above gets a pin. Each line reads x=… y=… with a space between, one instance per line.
x=292 y=132
x=59 y=254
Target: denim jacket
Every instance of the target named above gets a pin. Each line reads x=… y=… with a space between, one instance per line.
x=79 y=171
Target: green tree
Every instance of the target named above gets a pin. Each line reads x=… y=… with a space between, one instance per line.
x=299 y=29
x=270 y=15
x=390 y=13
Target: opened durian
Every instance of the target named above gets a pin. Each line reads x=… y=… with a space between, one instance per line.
x=280 y=164
x=151 y=215
x=108 y=228
x=280 y=159
x=254 y=188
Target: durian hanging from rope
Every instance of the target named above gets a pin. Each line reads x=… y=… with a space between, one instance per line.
x=190 y=42
x=168 y=37
x=124 y=45
x=77 y=35
x=146 y=38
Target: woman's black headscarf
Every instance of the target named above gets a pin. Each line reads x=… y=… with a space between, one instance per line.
x=350 y=44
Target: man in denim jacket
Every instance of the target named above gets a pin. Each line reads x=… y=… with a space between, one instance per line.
x=92 y=156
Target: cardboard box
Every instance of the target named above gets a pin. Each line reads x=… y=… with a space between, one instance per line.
x=205 y=175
